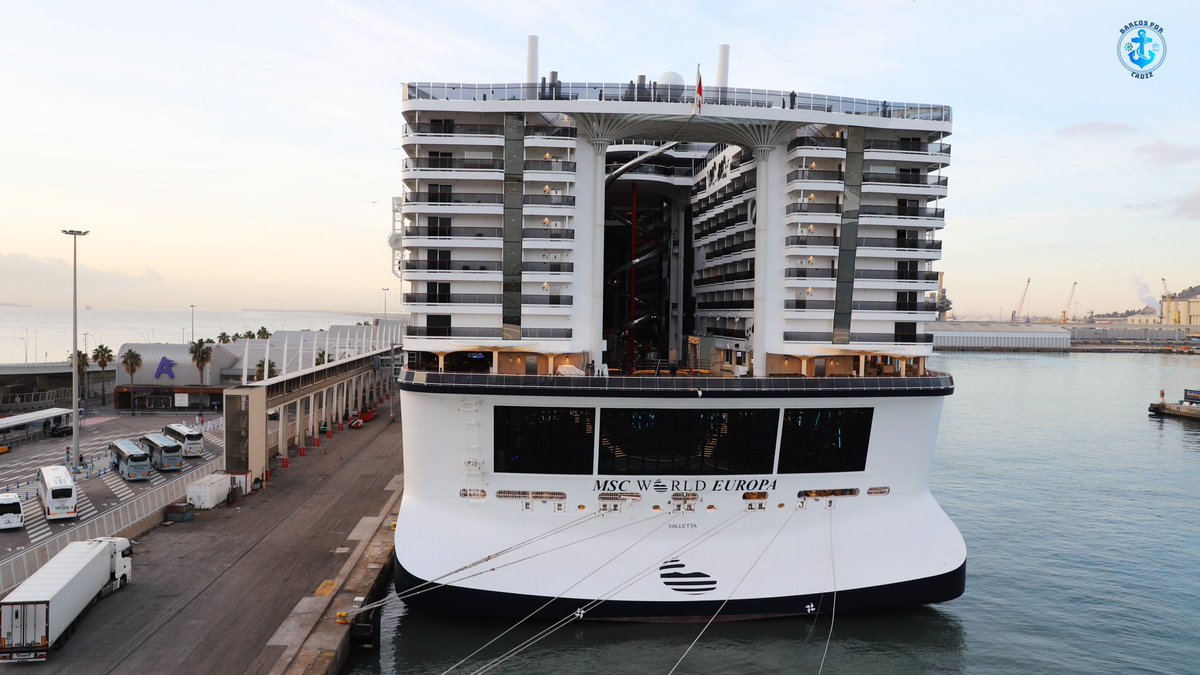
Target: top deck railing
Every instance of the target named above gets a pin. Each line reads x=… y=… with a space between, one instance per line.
x=663 y=93
x=664 y=383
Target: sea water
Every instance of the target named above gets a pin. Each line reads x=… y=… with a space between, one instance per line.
x=1082 y=521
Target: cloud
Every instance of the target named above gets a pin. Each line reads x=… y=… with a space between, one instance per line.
x=1097 y=129
x=1167 y=154
x=1187 y=206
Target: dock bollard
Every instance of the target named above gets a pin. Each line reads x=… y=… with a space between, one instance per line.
x=317 y=441
x=285 y=462
x=267 y=475
x=329 y=432
x=302 y=451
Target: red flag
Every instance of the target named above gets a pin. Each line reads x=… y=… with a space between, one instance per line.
x=699 y=91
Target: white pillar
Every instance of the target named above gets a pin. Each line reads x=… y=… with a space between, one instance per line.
x=595 y=326
x=762 y=244
x=722 y=65
x=245 y=360
x=283 y=366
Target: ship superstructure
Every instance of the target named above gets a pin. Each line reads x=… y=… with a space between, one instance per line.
x=661 y=341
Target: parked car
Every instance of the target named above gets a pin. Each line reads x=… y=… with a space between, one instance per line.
x=60 y=430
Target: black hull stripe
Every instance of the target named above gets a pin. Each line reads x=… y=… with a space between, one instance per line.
x=458 y=601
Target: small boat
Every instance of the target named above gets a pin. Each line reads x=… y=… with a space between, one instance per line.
x=1188 y=406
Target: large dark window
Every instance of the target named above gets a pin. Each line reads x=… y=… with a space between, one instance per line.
x=543 y=440
x=824 y=440
x=638 y=441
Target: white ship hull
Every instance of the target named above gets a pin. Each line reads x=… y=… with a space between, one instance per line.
x=670 y=547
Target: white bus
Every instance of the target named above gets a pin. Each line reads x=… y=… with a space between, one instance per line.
x=56 y=489
x=11 y=514
x=191 y=440
x=165 y=454
x=129 y=460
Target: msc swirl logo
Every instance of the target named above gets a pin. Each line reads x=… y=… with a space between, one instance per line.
x=1142 y=48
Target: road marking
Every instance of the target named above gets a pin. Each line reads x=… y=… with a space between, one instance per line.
x=118 y=485
x=326 y=588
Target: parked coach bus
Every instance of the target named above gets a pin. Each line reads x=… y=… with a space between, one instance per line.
x=56 y=489
x=11 y=514
x=191 y=440
x=129 y=460
x=165 y=454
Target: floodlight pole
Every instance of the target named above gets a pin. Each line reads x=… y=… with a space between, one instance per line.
x=75 y=454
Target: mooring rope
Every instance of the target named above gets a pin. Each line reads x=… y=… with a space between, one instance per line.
x=833 y=572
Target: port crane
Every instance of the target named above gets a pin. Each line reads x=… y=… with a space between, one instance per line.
x=1021 y=302
x=1062 y=318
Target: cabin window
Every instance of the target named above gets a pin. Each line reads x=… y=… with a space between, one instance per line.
x=824 y=440
x=543 y=440
x=639 y=441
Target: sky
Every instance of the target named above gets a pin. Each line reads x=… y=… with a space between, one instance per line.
x=244 y=154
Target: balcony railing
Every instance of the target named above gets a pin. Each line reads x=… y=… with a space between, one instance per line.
x=902 y=211
x=892 y=338
x=548 y=233
x=816 y=142
x=740 y=275
x=813 y=174
x=456 y=231
x=453 y=198
x=551 y=131
x=655 y=170
x=477 y=332
x=540 y=266
x=552 y=200
x=905 y=179
x=549 y=165
x=664 y=93
x=726 y=304
x=905 y=275
x=483 y=299
x=809 y=207
x=453 y=265
x=453 y=129
x=454 y=163
x=731 y=249
x=865 y=242
x=808 y=273
x=863 y=305
x=908 y=146
x=805 y=303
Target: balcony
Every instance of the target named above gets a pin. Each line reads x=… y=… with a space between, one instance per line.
x=808 y=273
x=862 y=305
x=811 y=240
x=741 y=275
x=807 y=304
x=454 y=163
x=901 y=212
x=728 y=333
x=549 y=165
x=815 y=175
x=548 y=233
x=815 y=209
x=726 y=304
x=551 y=131
x=905 y=179
x=908 y=146
x=453 y=232
x=539 y=266
x=816 y=142
x=550 y=200
x=476 y=332
x=482 y=299
x=905 y=275
x=890 y=338
x=453 y=265
x=730 y=250
x=453 y=198
x=442 y=129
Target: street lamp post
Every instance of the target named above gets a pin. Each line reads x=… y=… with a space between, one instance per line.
x=75 y=235
x=193 y=322
x=385 y=304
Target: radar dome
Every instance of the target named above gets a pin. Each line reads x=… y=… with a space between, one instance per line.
x=672 y=78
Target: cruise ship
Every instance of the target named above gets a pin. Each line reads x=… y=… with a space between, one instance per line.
x=665 y=351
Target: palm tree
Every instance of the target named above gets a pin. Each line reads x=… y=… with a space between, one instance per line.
x=81 y=364
x=263 y=333
x=249 y=335
x=321 y=357
x=103 y=356
x=224 y=338
x=131 y=361
x=258 y=371
x=201 y=356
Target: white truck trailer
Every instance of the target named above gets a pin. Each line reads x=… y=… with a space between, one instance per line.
x=42 y=612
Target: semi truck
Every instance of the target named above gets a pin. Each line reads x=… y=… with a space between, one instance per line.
x=42 y=612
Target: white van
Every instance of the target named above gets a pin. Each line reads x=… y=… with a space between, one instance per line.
x=11 y=514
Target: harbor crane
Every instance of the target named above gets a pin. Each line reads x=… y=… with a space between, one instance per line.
x=1021 y=302
x=1062 y=318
